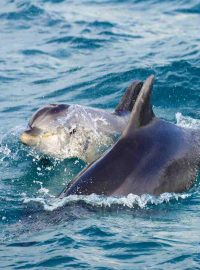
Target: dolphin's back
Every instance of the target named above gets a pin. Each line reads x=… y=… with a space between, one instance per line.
x=162 y=161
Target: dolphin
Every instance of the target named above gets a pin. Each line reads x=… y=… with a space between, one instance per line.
x=65 y=131
x=152 y=156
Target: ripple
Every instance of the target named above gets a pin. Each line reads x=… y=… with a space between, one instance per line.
x=6 y=79
x=61 y=92
x=80 y=42
x=25 y=12
x=95 y=231
x=51 y=262
x=195 y=9
x=33 y=52
x=13 y=108
x=23 y=244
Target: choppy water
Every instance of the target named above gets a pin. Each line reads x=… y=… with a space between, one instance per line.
x=87 y=52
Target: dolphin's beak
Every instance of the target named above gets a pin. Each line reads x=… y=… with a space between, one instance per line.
x=30 y=137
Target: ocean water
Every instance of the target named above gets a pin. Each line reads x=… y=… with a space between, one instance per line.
x=88 y=52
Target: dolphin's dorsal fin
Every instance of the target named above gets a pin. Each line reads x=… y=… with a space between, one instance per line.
x=142 y=112
x=128 y=100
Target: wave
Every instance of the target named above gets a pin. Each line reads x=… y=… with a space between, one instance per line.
x=130 y=201
x=25 y=11
x=187 y=122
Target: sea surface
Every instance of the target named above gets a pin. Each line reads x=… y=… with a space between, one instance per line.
x=88 y=52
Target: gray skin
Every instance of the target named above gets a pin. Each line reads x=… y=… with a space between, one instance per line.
x=65 y=131
x=151 y=157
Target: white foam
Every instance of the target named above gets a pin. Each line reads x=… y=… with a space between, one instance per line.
x=130 y=201
x=186 y=121
x=5 y=150
x=8 y=141
x=43 y=190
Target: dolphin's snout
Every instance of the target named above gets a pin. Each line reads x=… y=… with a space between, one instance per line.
x=27 y=139
x=30 y=137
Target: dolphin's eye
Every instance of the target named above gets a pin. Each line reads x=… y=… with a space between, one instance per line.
x=72 y=131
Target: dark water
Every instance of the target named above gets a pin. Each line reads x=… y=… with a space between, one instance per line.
x=87 y=52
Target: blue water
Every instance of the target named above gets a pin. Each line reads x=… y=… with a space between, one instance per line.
x=87 y=52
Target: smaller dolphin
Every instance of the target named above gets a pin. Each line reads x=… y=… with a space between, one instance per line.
x=65 y=131
x=152 y=156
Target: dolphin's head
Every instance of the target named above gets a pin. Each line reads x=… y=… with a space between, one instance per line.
x=64 y=131
x=44 y=129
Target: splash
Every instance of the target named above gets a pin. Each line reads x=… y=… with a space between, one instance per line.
x=130 y=201
x=93 y=133
x=8 y=143
x=5 y=151
x=186 y=121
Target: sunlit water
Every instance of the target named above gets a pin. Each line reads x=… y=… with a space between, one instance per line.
x=87 y=52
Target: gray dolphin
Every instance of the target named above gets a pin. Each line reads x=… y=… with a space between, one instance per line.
x=152 y=156
x=65 y=131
